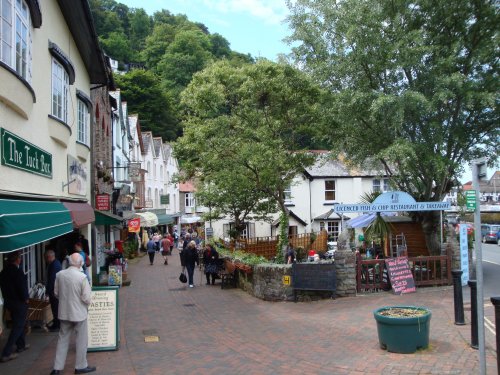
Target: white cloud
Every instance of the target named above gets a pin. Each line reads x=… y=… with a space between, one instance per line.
x=271 y=11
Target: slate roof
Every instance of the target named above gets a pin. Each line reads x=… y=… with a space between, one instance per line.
x=167 y=150
x=157 y=142
x=146 y=140
x=325 y=166
x=330 y=215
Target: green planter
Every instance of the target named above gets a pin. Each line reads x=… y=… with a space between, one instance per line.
x=403 y=334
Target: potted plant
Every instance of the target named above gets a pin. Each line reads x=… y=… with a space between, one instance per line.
x=403 y=329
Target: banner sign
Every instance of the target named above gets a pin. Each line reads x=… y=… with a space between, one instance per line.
x=400 y=275
x=102 y=202
x=464 y=254
x=134 y=225
x=21 y=154
x=392 y=207
x=103 y=323
x=165 y=199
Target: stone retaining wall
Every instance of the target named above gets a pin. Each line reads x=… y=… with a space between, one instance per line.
x=266 y=280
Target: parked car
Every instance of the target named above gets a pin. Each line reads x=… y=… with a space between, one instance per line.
x=489 y=233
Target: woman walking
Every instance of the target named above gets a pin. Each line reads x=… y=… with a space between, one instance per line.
x=210 y=258
x=190 y=255
x=151 y=248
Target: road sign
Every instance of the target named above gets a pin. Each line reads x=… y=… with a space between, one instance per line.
x=470 y=200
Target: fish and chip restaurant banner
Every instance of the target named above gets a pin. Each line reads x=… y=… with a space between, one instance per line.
x=391 y=202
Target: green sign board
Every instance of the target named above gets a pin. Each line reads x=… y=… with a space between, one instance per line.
x=164 y=199
x=470 y=200
x=21 y=154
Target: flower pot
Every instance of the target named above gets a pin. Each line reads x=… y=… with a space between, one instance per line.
x=403 y=334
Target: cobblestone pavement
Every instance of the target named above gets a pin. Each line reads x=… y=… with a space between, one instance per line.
x=206 y=330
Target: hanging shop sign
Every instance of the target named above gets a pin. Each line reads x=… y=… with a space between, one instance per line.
x=103 y=322
x=21 y=154
x=77 y=177
x=165 y=199
x=102 y=202
x=134 y=172
x=134 y=225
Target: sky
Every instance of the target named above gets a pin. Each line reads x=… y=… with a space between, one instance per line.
x=251 y=26
x=257 y=27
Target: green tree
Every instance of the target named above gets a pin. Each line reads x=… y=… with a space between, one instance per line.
x=144 y=95
x=229 y=193
x=415 y=86
x=140 y=28
x=117 y=46
x=246 y=119
x=187 y=54
x=156 y=44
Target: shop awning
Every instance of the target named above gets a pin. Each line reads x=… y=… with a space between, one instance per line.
x=106 y=218
x=24 y=223
x=148 y=219
x=191 y=219
x=164 y=219
x=81 y=213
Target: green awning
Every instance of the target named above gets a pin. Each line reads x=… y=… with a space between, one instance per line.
x=106 y=218
x=164 y=219
x=24 y=223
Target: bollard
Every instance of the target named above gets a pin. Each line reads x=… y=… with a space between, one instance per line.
x=496 y=302
x=473 y=320
x=458 y=298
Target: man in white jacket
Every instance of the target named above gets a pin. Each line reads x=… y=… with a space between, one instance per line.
x=73 y=291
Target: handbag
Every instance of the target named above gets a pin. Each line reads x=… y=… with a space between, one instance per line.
x=183 y=278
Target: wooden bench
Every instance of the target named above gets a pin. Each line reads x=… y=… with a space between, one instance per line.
x=228 y=274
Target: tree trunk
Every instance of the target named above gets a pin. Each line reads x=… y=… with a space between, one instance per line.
x=430 y=226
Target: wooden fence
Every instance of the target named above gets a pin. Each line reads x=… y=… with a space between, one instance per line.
x=266 y=246
x=427 y=270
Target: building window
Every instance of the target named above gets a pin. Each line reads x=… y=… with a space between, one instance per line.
x=15 y=30
x=332 y=228
x=154 y=170
x=287 y=194
x=83 y=122
x=149 y=194
x=161 y=172
x=28 y=264
x=381 y=185
x=329 y=190
x=60 y=89
x=149 y=168
x=157 y=198
x=190 y=201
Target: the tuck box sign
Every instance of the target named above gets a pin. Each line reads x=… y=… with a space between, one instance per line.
x=21 y=154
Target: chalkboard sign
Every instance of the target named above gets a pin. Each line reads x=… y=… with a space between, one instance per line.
x=103 y=325
x=400 y=274
x=313 y=276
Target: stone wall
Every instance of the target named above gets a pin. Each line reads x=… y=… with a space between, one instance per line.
x=266 y=280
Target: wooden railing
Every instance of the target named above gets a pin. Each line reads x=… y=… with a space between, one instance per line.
x=427 y=270
x=266 y=246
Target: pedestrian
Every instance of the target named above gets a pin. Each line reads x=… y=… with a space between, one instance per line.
x=187 y=239
x=171 y=239
x=157 y=239
x=190 y=255
x=53 y=267
x=210 y=261
x=151 y=248
x=176 y=238
x=14 y=288
x=165 y=248
x=73 y=291
x=290 y=255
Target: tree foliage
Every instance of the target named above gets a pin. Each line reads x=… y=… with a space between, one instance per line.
x=144 y=95
x=169 y=45
x=415 y=85
x=246 y=122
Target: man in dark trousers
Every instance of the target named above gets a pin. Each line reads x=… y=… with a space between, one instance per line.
x=53 y=267
x=15 y=293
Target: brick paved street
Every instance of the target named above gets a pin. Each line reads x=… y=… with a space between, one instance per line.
x=207 y=330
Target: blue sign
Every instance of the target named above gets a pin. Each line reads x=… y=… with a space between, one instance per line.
x=464 y=254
